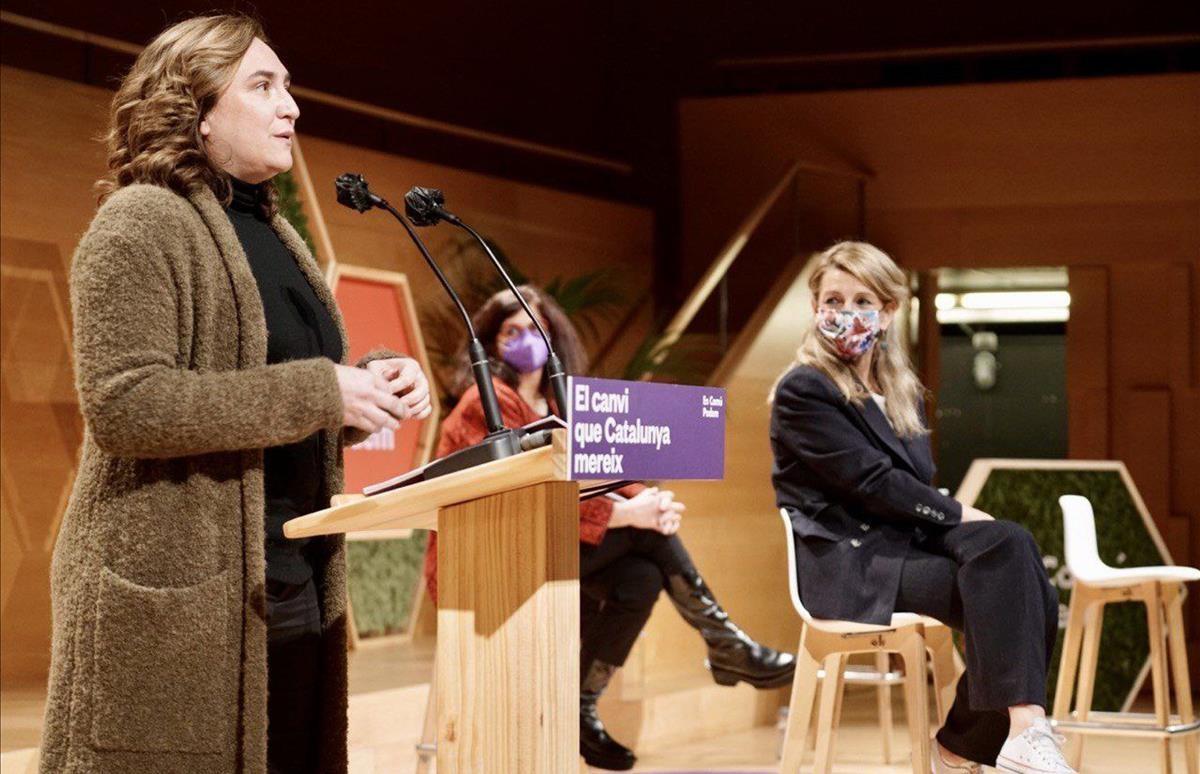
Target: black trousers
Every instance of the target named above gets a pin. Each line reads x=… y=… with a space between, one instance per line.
x=293 y=676
x=620 y=580
x=987 y=580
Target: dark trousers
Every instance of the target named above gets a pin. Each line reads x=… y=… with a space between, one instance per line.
x=987 y=580
x=620 y=580
x=293 y=676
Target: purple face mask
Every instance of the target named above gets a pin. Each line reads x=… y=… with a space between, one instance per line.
x=526 y=353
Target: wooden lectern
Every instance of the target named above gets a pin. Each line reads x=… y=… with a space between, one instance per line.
x=508 y=605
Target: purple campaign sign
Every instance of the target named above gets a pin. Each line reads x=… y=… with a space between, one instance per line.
x=645 y=430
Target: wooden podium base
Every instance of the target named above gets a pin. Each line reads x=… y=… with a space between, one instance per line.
x=508 y=621
x=508 y=632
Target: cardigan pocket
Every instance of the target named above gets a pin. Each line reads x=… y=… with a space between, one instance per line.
x=161 y=673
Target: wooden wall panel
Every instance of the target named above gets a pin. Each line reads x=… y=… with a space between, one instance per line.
x=1087 y=362
x=1186 y=273
x=1142 y=440
x=1182 y=324
x=1143 y=348
x=1086 y=234
x=51 y=157
x=1027 y=149
x=1185 y=481
x=39 y=444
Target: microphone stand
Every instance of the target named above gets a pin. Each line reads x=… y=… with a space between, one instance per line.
x=554 y=366
x=478 y=357
x=426 y=200
x=500 y=442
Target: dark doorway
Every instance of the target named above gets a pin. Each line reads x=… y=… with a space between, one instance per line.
x=1023 y=415
x=1002 y=375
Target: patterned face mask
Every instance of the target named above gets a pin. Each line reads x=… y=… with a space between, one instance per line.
x=851 y=331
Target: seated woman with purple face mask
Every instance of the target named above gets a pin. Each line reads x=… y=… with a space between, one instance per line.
x=629 y=551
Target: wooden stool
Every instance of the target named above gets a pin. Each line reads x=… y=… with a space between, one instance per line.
x=826 y=645
x=939 y=642
x=1095 y=585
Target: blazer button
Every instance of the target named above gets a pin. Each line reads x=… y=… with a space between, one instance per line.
x=865 y=527
x=856 y=542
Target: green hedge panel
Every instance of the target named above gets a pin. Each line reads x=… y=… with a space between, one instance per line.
x=382 y=576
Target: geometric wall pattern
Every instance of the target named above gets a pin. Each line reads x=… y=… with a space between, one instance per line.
x=40 y=435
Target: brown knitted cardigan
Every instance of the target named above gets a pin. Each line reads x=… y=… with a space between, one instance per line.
x=159 y=641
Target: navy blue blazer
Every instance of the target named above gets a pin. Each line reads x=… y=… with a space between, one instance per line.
x=858 y=497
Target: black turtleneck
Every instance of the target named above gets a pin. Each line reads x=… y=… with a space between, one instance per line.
x=298 y=326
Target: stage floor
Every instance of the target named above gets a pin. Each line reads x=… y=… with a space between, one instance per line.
x=389 y=688
x=858 y=749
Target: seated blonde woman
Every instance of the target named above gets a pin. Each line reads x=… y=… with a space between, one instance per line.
x=873 y=536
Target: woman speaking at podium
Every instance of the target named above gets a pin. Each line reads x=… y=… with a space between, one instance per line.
x=853 y=469
x=207 y=351
x=629 y=551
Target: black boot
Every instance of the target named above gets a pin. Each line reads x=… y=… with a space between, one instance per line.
x=732 y=655
x=595 y=745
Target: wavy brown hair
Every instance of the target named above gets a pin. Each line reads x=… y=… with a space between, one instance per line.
x=493 y=313
x=154 y=122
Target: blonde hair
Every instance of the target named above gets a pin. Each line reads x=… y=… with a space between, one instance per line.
x=890 y=366
x=154 y=122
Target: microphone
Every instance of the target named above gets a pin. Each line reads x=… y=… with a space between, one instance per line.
x=500 y=442
x=424 y=208
x=352 y=192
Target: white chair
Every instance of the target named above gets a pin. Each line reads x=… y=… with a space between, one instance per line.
x=1095 y=584
x=825 y=646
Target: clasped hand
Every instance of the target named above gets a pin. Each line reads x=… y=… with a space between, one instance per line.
x=383 y=394
x=650 y=508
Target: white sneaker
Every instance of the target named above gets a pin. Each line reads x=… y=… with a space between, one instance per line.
x=1034 y=751
x=939 y=765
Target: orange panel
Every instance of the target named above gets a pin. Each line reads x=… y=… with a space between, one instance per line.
x=377 y=314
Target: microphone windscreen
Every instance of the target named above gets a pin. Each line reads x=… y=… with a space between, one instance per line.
x=352 y=192
x=423 y=205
